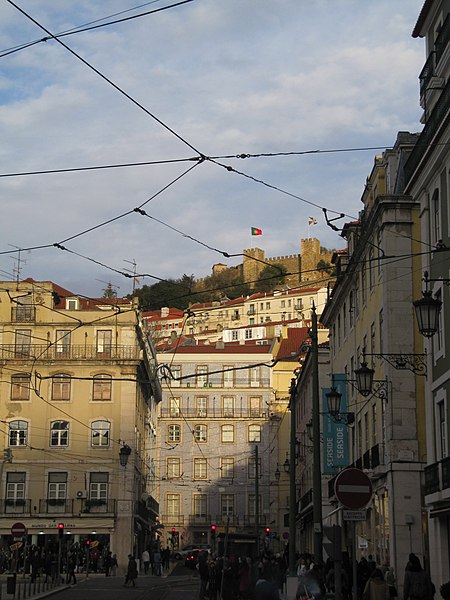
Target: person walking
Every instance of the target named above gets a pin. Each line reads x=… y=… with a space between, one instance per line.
x=417 y=584
x=107 y=563
x=203 y=572
x=71 y=566
x=390 y=580
x=114 y=565
x=376 y=587
x=132 y=571
x=146 y=560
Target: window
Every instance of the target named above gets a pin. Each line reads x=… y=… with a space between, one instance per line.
x=252 y=468
x=200 y=433
x=380 y=327
x=363 y=282
x=61 y=387
x=374 y=425
x=59 y=434
x=174 y=434
x=176 y=372
x=248 y=334
x=72 y=304
x=228 y=376
x=100 y=434
x=200 y=505
x=227 y=434
x=202 y=375
x=255 y=406
x=201 y=406
x=173 y=468
x=283 y=303
x=435 y=217
x=200 y=468
x=227 y=468
x=228 y=406
x=255 y=376
x=252 y=309
x=173 y=505
x=20 y=386
x=227 y=505
x=254 y=433
x=351 y=308
x=98 y=486
x=267 y=305
x=235 y=335
x=252 y=504
x=22 y=344
x=370 y=267
x=62 y=343
x=57 y=485
x=15 y=486
x=104 y=342
x=18 y=433
x=174 y=407
x=441 y=438
x=101 y=388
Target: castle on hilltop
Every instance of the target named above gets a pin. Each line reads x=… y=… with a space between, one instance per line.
x=301 y=267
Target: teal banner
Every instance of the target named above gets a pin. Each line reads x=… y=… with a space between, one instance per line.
x=335 y=434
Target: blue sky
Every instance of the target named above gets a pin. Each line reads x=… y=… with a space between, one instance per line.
x=219 y=78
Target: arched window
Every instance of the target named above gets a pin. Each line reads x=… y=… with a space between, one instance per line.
x=59 y=434
x=100 y=434
x=254 y=433
x=18 y=433
x=20 y=386
x=227 y=434
x=200 y=433
x=174 y=434
x=61 y=387
x=102 y=387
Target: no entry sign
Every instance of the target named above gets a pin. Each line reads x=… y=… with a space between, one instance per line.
x=18 y=530
x=353 y=488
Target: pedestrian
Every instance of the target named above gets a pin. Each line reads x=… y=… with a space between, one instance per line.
x=311 y=584
x=114 y=565
x=132 y=571
x=392 y=583
x=157 y=562
x=165 y=556
x=71 y=566
x=376 y=587
x=107 y=563
x=146 y=560
x=203 y=572
x=417 y=584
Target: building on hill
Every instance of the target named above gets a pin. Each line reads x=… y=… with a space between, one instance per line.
x=300 y=268
x=79 y=393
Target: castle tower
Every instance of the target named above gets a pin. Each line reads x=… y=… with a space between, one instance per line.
x=310 y=251
x=252 y=268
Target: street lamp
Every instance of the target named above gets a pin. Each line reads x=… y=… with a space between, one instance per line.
x=428 y=309
x=124 y=454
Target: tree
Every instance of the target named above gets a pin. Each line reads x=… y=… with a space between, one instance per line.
x=271 y=277
x=326 y=267
x=175 y=293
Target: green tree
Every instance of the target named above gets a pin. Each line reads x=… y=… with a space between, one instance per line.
x=326 y=267
x=175 y=293
x=109 y=292
x=271 y=277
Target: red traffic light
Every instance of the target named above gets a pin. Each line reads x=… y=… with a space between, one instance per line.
x=267 y=529
x=213 y=527
x=60 y=525
x=88 y=543
x=173 y=530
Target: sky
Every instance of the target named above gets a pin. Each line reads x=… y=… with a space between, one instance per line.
x=165 y=103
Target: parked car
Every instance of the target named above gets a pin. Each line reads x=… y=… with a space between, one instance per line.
x=178 y=554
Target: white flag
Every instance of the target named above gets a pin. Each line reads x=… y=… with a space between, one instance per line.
x=312 y=221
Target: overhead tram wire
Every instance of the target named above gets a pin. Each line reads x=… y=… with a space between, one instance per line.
x=109 y=81
x=87 y=27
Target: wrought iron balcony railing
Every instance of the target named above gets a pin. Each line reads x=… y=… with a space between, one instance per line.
x=65 y=353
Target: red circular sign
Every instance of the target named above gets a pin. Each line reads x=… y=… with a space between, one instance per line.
x=18 y=530
x=353 y=488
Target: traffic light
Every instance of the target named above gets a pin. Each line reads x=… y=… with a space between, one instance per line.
x=60 y=530
x=174 y=534
x=213 y=532
x=88 y=544
x=267 y=530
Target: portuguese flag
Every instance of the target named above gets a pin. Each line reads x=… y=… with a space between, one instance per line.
x=256 y=231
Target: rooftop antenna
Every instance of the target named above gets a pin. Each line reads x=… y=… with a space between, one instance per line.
x=19 y=263
x=133 y=272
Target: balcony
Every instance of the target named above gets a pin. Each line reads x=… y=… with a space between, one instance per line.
x=63 y=353
x=18 y=506
x=250 y=520
x=172 y=520
x=437 y=476
x=222 y=520
x=23 y=314
x=199 y=520
x=216 y=413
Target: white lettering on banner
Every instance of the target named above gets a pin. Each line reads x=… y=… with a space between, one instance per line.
x=339 y=444
x=330 y=452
